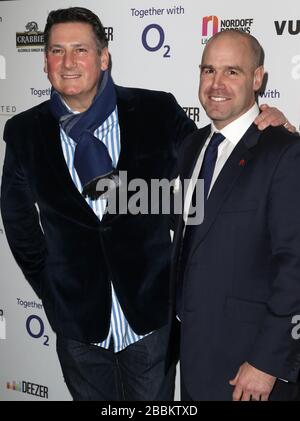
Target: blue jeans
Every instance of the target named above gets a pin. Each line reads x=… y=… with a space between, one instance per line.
x=135 y=374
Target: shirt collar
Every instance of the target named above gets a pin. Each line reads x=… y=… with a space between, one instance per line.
x=68 y=107
x=235 y=130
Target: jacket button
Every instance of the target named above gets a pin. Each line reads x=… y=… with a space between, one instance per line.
x=105 y=229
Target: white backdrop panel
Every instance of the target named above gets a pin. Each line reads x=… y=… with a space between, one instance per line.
x=175 y=30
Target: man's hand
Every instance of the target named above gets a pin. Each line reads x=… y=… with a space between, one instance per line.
x=271 y=116
x=251 y=384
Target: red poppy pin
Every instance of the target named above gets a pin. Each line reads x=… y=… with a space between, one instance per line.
x=242 y=163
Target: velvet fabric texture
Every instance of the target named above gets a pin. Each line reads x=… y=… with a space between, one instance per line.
x=71 y=263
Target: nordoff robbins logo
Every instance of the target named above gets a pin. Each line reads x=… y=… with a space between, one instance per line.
x=31 y=37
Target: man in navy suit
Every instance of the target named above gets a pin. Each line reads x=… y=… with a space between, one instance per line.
x=103 y=278
x=236 y=276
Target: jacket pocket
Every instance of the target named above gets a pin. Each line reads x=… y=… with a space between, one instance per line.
x=245 y=311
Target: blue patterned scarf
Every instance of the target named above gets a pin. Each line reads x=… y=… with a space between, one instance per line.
x=92 y=160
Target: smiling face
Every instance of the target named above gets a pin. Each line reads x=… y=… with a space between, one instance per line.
x=74 y=64
x=228 y=79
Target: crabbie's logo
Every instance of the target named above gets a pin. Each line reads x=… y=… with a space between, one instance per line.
x=31 y=39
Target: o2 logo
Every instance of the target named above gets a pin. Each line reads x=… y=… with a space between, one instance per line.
x=151 y=31
x=35 y=328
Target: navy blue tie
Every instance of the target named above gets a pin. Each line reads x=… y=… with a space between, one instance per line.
x=209 y=161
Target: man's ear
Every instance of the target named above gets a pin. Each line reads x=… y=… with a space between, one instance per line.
x=258 y=78
x=104 y=59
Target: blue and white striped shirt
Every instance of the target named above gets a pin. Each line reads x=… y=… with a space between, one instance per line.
x=109 y=134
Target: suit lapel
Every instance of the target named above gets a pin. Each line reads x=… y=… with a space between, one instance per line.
x=232 y=170
x=50 y=137
x=188 y=157
x=129 y=130
x=192 y=151
x=189 y=160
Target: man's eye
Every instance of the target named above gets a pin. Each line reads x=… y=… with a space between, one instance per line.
x=207 y=71
x=81 y=50
x=56 y=51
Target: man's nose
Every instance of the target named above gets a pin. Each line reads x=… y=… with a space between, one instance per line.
x=218 y=80
x=69 y=59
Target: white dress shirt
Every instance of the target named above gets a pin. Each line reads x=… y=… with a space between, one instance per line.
x=233 y=133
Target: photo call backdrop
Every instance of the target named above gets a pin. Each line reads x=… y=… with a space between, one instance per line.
x=155 y=44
